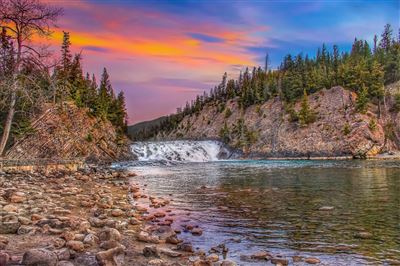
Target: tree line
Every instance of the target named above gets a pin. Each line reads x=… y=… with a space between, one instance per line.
x=30 y=76
x=364 y=70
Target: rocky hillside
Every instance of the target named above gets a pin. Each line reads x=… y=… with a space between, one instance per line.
x=70 y=133
x=268 y=130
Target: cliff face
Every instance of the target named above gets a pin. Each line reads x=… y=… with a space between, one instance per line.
x=338 y=130
x=70 y=133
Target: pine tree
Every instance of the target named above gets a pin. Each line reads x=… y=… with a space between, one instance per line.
x=362 y=101
x=306 y=115
x=386 y=38
x=105 y=95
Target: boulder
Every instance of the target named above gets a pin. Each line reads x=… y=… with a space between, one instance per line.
x=145 y=237
x=90 y=239
x=111 y=257
x=151 y=251
x=110 y=234
x=4 y=258
x=40 y=256
x=185 y=246
x=9 y=224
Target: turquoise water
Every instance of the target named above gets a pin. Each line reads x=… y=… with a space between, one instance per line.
x=278 y=206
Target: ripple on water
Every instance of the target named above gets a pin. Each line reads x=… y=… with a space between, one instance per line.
x=278 y=206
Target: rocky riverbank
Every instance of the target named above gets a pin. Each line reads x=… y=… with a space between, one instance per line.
x=88 y=218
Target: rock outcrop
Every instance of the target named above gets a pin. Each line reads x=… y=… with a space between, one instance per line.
x=338 y=130
x=69 y=133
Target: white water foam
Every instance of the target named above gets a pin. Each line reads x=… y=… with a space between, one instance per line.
x=180 y=151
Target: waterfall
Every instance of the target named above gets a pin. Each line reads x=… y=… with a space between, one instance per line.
x=180 y=150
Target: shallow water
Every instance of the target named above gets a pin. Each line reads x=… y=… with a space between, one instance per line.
x=275 y=206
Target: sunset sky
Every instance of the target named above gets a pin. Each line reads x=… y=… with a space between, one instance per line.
x=162 y=53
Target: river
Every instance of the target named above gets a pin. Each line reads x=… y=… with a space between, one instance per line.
x=341 y=212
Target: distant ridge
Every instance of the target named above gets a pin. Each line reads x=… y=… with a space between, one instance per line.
x=134 y=131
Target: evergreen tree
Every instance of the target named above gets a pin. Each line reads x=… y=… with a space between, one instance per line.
x=105 y=95
x=362 y=101
x=306 y=115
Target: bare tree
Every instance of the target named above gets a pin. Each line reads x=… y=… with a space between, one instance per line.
x=23 y=19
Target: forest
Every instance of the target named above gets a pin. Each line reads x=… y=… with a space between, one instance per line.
x=364 y=69
x=31 y=76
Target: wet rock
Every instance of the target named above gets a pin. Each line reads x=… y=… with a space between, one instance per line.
x=185 y=246
x=76 y=245
x=227 y=263
x=150 y=251
x=213 y=258
x=111 y=257
x=169 y=252
x=9 y=224
x=197 y=231
x=145 y=237
x=279 y=261
x=260 y=255
x=297 y=258
x=312 y=260
x=159 y=214
x=173 y=240
x=43 y=257
x=200 y=262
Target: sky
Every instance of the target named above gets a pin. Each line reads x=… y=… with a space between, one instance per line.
x=163 y=53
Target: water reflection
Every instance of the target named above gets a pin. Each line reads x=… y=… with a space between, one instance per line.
x=344 y=212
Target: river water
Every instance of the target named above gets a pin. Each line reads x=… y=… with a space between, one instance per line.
x=342 y=212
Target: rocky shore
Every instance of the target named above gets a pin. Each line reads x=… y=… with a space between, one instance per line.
x=88 y=218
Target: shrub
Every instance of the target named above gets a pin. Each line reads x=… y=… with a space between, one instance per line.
x=228 y=112
x=258 y=110
x=224 y=133
x=397 y=102
x=346 y=129
x=89 y=137
x=306 y=114
x=372 y=125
